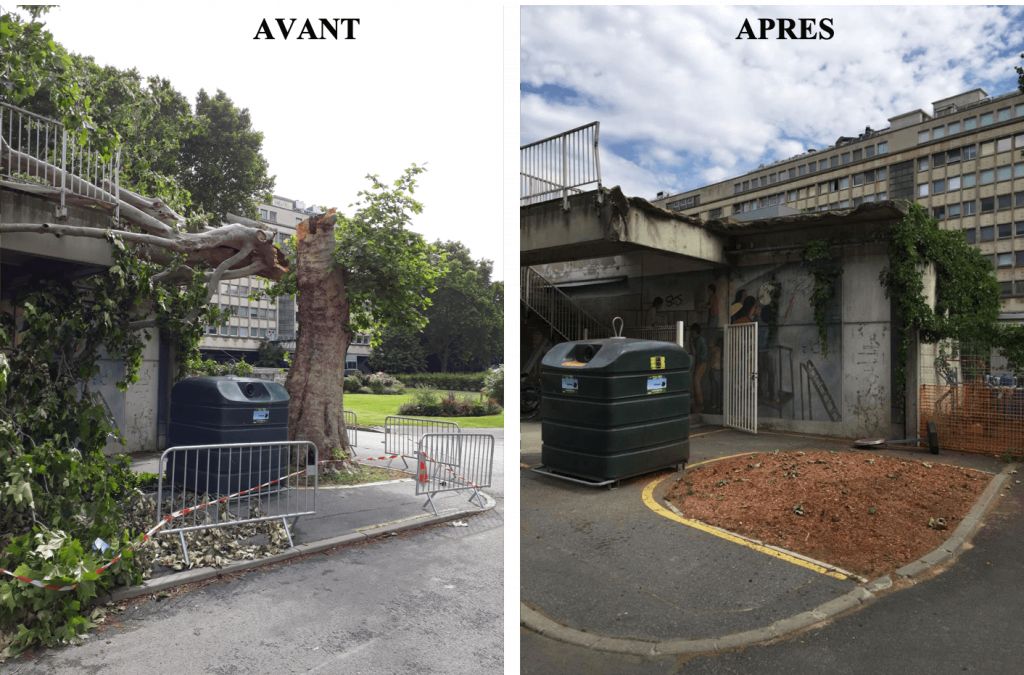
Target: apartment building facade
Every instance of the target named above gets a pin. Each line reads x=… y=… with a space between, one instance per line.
x=963 y=161
x=252 y=322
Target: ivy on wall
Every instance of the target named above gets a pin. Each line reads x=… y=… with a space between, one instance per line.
x=825 y=270
x=967 y=294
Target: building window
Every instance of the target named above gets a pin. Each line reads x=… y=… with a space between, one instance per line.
x=883 y=147
x=970 y=235
x=882 y=196
x=1019 y=228
x=792 y=173
x=233 y=331
x=1018 y=199
x=922 y=190
x=954 y=210
x=953 y=156
x=988 y=205
x=987 y=148
x=922 y=163
x=764 y=181
x=1004 y=172
x=970 y=208
x=1003 y=202
x=1004 y=260
x=833 y=161
x=939 y=159
x=858 y=154
x=1004 y=144
x=938 y=186
x=986 y=119
x=970 y=123
x=1020 y=258
x=243 y=331
x=844 y=158
x=922 y=136
x=988 y=233
x=939 y=213
x=801 y=170
x=844 y=182
x=969 y=180
x=938 y=132
x=1018 y=170
x=953 y=128
x=1005 y=230
x=1003 y=114
x=953 y=183
x=1019 y=109
x=987 y=177
x=869 y=151
x=223 y=330
x=858 y=179
x=684 y=203
x=969 y=152
x=822 y=165
x=1005 y=288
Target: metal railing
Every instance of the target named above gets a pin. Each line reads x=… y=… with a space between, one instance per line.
x=450 y=462
x=351 y=421
x=205 y=486
x=36 y=150
x=658 y=333
x=402 y=434
x=560 y=165
x=557 y=309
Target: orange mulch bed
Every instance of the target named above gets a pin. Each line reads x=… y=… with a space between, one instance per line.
x=864 y=512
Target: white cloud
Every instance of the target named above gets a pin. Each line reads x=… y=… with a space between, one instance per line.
x=676 y=81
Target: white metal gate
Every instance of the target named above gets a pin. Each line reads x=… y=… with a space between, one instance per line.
x=740 y=374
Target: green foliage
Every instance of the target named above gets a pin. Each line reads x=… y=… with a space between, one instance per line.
x=494 y=384
x=222 y=164
x=967 y=294
x=198 y=366
x=58 y=492
x=428 y=403
x=448 y=381
x=270 y=355
x=826 y=271
x=400 y=351
x=465 y=328
x=375 y=383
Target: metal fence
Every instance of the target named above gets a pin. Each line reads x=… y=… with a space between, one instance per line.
x=39 y=151
x=204 y=486
x=560 y=165
x=975 y=400
x=447 y=462
x=402 y=434
x=351 y=422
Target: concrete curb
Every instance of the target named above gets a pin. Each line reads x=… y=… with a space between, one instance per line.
x=363 y=534
x=862 y=595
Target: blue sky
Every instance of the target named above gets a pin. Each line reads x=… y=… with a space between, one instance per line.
x=682 y=103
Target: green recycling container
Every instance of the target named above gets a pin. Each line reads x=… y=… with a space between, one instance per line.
x=615 y=408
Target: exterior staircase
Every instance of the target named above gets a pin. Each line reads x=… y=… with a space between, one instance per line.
x=550 y=316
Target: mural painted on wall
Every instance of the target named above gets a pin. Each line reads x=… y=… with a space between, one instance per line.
x=796 y=380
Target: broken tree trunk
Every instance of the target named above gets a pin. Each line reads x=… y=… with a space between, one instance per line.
x=315 y=379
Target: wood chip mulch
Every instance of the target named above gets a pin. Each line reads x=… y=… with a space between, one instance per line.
x=864 y=512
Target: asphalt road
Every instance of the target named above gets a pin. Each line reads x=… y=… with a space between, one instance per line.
x=965 y=620
x=425 y=601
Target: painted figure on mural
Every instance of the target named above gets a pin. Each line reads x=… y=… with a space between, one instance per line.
x=767 y=339
x=737 y=303
x=714 y=394
x=699 y=350
x=747 y=312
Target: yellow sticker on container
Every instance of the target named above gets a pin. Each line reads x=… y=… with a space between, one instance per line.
x=657 y=363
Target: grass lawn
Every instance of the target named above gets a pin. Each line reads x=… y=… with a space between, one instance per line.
x=360 y=475
x=371 y=409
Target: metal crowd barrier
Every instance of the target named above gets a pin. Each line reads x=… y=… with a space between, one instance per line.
x=402 y=434
x=351 y=421
x=447 y=462
x=206 y=486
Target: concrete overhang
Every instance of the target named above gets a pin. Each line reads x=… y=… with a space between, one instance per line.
x=605 y=222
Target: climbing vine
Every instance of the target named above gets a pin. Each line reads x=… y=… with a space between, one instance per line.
x=59 y=493
x=826 y=271
x=967 y=294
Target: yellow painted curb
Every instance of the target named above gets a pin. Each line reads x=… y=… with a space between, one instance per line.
x=653 y=505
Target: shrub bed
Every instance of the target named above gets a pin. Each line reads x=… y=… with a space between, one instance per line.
x=448 y=381
x=429 y=403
